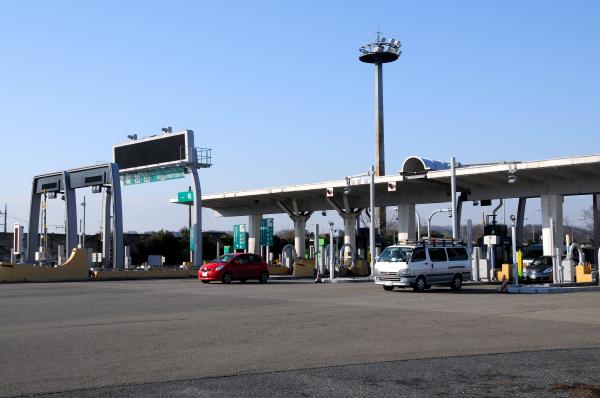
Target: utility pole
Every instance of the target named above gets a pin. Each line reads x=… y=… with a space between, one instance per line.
x=4 y=214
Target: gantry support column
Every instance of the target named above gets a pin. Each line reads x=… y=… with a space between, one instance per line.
x=106 y=227
x=552 y=208
x=118 y=248
x=299 y=218
x=406 y=222
x=254 y=233
x=70 y=215
x=33 y=238
x=596 y=211
x=521 y=220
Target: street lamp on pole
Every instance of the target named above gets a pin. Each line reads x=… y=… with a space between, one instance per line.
x=447 y=210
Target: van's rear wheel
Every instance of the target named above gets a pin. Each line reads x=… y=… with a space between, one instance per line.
x=456 y=283
x=420 y=284
x=388 y=288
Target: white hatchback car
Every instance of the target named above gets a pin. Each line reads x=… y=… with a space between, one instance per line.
x=421 y=265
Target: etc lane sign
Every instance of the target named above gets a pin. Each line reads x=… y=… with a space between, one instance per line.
x=266 y=232
x=239 y=237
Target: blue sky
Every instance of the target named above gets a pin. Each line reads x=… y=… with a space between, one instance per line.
x=277 y=88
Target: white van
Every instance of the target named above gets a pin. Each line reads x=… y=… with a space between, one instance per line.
x=421 y=265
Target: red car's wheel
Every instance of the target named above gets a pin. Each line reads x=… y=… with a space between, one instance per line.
x=263 y=277
x=227 y=278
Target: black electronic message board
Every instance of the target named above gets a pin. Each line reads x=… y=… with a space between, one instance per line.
x=167 y=148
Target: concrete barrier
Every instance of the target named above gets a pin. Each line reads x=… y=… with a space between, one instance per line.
x=506 y=271
x=304 y=268
x=275 y=270
x=583 y=273
x=153 y=273
x=361 y=268
x=76 y=268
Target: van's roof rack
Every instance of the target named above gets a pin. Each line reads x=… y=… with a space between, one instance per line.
x=434 y=242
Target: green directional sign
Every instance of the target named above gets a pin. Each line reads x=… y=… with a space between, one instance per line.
x=168 y=173
x=185 y=197
x=193 y=238
x=266 y=232
x=239 y=236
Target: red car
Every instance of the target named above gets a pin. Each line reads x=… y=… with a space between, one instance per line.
x=236 y=266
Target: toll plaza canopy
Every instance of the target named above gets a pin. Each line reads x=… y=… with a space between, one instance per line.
x=421 y=181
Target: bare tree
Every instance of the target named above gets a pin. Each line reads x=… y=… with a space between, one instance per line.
x=588 y=215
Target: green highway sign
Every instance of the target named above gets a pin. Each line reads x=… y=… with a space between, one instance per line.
x=321 y=241
x=193 y=238
x=142 y=177
x=239 y=237
x=185 y=197
x=266 y=232
x=226 y=249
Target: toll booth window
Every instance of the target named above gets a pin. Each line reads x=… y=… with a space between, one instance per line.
x=437 y=254
x=418 y=254
x=457 y=254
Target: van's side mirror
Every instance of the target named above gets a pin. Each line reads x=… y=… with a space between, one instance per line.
x=376 y=258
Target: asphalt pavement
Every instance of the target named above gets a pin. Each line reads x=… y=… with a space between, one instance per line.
x=285 y=338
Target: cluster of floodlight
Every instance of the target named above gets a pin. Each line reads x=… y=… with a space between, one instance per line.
x=382 y=45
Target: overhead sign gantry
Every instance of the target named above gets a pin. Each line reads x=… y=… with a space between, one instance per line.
x=163 y=157
x=99 y=177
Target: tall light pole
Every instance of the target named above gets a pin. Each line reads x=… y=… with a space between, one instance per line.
x=378 y=53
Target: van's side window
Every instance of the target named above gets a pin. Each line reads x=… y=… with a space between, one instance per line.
x=457 y=254
x=437 y=254
x=418 y=254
